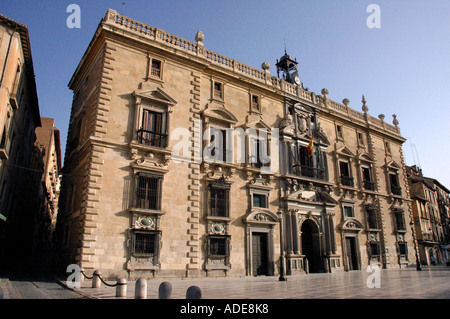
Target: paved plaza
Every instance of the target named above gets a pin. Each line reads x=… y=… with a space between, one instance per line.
x=430 y=283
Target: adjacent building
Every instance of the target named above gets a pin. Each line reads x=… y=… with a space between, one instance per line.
x=430 y=204
x=21 y=160
x=48 y=140
x=183 y=162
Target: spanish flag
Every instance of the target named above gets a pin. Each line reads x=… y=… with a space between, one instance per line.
x=310 y=147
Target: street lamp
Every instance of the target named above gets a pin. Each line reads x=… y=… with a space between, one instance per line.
x=415 y=247
x=282 y=265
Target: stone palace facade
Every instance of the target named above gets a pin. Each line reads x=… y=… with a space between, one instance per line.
x=183 y=162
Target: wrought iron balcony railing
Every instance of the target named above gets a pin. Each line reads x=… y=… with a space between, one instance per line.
x=152 y=138
x=307 y=171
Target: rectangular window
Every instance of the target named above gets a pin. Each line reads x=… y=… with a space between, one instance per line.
x=255 y=103
x=375 y=249
x=340 y=133
x=218 y=246
x=218 y=142
x=402 y=248
x=219 y=199
x=367 y=179
x=259 y=155
x=348 y=211
x=388 y=147
x=395 y=187
x=218 y=90
x=151 y=132
x=144 y=243
x=399 y=220
x=346 y=178
x=259 y=200
x=148 y=192
x=372 y=221
x=360 y=139
x=156 y=68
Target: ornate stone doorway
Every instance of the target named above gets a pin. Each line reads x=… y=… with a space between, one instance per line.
x=311 y=245
x=260 y=254
x=351 y=253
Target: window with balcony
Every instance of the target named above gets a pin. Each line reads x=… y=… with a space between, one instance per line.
x=312 y=167
x=367 y=179
x=219 y=149
x=345 y=174
x=259 y=152
x=152 y=131
x=394 y=184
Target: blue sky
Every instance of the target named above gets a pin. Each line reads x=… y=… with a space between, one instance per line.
x=402 y=68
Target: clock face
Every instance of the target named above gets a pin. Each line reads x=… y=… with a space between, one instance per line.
x=297 y=80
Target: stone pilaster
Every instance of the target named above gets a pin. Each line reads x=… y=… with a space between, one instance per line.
x=194 y=245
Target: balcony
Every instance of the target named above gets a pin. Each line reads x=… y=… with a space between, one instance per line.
x=307 y=171
x=369 y=186
x=347 y=181
x=152 y=138
x=396 y=190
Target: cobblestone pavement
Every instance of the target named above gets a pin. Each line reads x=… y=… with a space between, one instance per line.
x=430 y=283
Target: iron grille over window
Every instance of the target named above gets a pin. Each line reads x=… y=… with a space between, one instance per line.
x=372 y=221
x=402 y=248
x=219 y=198
x=218 y=246
x=400 y=220
x=148 y=191
x=145 y=243
x=375 y=249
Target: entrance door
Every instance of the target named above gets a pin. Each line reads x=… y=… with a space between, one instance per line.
x=311 y=245
x=352 y=257
x=259 y=254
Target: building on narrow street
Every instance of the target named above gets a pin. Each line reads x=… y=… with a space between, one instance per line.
x=48 y=140
x=21 y=162
x=431 y=216
x=273 y=178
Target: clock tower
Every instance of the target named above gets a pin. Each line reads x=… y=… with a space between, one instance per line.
x=288 y=67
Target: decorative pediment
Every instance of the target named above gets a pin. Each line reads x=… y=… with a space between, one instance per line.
x=365 y=157
x=219 y=112
x=261 y=217
x=299 y=107
x=344 y=151
x=352 y=225
x=256 y=122
x=304 y=195
x=153 y=92
x=392 y=165
x=153 y=162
